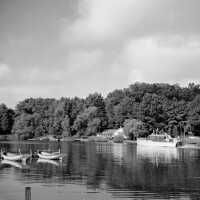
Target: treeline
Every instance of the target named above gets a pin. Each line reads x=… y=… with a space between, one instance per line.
x=167 y=107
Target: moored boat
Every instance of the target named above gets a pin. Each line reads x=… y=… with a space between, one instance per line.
x=46 y=153
x=50 y=156
x=12 y=157
x=161 y=140
x=19 y=157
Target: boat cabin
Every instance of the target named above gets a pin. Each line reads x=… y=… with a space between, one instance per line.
x=160 y=137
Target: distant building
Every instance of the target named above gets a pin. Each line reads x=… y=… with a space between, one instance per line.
x=120 y=132
x=108 y=133
x=111 y=133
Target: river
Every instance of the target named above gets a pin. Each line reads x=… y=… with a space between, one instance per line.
x=102 y=171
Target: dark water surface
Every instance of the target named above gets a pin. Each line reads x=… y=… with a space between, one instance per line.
x=103 y=171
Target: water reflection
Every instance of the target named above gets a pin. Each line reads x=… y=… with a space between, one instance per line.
x=46 y=161
x=157 y=155
x=9 y=163
x=105 y=171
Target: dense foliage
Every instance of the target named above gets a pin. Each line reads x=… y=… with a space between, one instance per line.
x=6 y=119
x=140 y=108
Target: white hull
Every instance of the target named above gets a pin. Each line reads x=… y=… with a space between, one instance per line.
x=12 y=157
x=50 y=156
x=146 y=142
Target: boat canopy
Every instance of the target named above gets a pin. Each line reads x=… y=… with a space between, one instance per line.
x=159 y=137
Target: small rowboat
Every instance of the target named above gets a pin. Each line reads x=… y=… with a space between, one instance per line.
x=50 y=153
x=12 y=157
x=50 y=156
x=15 y=156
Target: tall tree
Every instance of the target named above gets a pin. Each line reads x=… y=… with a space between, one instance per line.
x=6 y=119
x=134 y=128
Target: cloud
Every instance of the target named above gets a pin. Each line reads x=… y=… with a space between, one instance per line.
x=80 y=60
x=103 y=45
x=4 y=70
x=151 y=61
x=151 y=41
x=111 y=23
x=99 y=21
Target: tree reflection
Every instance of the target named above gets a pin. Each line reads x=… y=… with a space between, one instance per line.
x=116 y=167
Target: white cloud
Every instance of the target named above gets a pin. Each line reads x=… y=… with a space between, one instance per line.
x=108 y=45
x=101 y=22
x=80 y=60
x=153 y=62
x=108 y=23
x=4 y=70
x=151 y=41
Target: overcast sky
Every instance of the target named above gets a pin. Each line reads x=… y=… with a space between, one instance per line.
x=72 y=48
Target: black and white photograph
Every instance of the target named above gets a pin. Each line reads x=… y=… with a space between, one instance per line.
x=99 y=99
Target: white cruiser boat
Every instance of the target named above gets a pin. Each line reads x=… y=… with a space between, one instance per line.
x=160 y=140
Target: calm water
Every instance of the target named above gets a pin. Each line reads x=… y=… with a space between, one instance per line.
x=103 y=171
